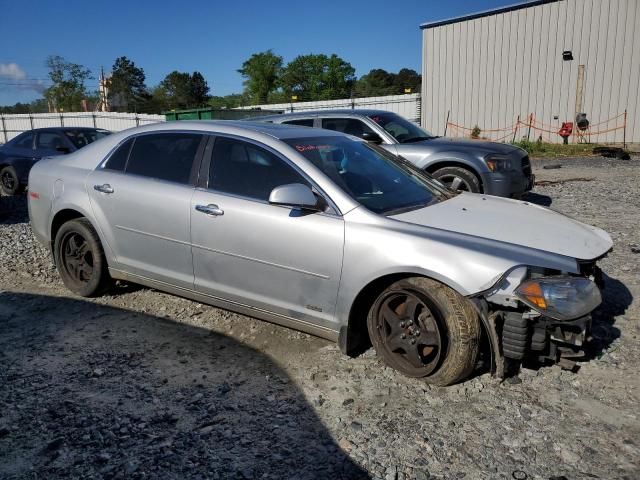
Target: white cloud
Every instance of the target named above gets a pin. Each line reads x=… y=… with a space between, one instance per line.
x=12 y=71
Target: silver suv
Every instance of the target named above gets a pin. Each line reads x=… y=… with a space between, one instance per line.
x=322 y=232
x=475 y=166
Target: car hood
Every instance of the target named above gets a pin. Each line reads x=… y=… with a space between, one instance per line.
x=514 y=222
x=481 y=146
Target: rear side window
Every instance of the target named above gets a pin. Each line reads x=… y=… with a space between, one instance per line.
x=303 y=122
x=49 y=141
x=350 y=126
x=25 y=142
x=118 y=159
x=166 y=156
x=244 y=169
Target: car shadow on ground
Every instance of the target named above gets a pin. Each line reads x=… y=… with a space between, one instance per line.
x=89 y=390
x=616 y=299
x=13 y=209
x=538 y=199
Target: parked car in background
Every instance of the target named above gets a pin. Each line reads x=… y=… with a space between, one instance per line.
x=325 y=233
x=475 y=166
x=19 y=154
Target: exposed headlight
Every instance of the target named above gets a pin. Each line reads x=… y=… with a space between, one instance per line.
x=561 y=298
x=498 y=163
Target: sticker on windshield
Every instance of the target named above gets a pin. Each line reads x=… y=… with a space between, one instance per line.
x=306 y=148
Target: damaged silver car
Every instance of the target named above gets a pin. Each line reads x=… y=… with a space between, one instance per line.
x=324 y=233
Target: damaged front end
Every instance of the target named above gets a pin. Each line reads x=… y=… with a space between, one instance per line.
x=540 y=315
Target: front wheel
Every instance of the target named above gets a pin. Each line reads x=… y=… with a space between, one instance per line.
x=424 y=329
x=458 y=178
x=80 y=258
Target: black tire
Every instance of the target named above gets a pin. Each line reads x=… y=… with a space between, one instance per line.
x=441 y=312
x=80 y=258
x=458 y=178
x=9 y=181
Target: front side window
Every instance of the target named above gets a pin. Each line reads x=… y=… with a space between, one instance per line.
x=244 y=169
x=49 y=141
x=165 y=156
x=370 y=175
x=350 y=126
x=400 y=128
x=26 y=141
x=302 y=122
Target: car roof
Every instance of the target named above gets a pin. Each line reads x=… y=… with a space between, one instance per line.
x=241 y=127
x=337 y=111
x=63 y=129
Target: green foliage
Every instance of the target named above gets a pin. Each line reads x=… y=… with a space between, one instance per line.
x=198 y=90
x=318 y=77
x=127 y=89
x=540 y=149
x=180 y=90
x=37 y=106
x=261 y=73
x=68 y=90
x=476 y=132
x=379 y=82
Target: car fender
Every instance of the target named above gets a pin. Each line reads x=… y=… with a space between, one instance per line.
x=432 y=161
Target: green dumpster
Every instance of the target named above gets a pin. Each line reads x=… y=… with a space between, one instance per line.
x=215 y=114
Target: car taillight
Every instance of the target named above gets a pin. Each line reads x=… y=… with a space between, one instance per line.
x=34 y=195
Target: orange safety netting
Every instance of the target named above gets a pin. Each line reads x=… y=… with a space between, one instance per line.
x=546 y=131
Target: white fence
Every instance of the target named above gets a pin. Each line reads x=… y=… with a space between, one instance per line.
x=12 y=125
x=407 y=105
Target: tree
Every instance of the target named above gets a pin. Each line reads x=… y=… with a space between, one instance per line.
x=377 y=82
x=407 y=78
x=198 y=90
x=261 y=73
x=68 y=88
x=127 y=89
x=318 y=77
x=177 y=88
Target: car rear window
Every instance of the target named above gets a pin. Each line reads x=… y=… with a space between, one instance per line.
x=82 y=138
x=165 y=156
x=302 y=122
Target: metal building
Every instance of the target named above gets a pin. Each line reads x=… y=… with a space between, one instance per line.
x=543 y=62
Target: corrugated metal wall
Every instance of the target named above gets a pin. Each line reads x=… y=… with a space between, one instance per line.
x=486 y=71
x=406 y=105
x=12 y=125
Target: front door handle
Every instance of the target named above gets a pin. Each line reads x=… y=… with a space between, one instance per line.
x=104 y=188
x=210 y=209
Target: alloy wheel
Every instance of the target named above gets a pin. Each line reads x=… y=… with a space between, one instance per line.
x=409 y=332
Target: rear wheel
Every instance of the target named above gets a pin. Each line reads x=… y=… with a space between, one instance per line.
x=425 y=329
x=458 y=178
x=9 y=182
x=80 y=258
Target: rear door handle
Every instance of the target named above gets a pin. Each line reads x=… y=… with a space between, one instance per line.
x=210 y=209
x=104 y=188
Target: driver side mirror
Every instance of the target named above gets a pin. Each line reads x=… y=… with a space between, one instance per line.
x=295 y=195
x=372 y=137
x=64 y=150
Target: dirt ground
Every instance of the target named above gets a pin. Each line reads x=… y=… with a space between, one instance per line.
x=141 y=384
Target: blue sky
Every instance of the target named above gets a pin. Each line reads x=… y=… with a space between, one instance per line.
x=209 y=36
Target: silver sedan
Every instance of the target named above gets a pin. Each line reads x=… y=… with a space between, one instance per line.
x=324 y=233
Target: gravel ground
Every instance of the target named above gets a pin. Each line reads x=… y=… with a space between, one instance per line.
x=140 y=384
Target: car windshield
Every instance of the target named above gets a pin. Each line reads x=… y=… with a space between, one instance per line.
x=401 y=129
x=82 y=138
x=372 y=176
